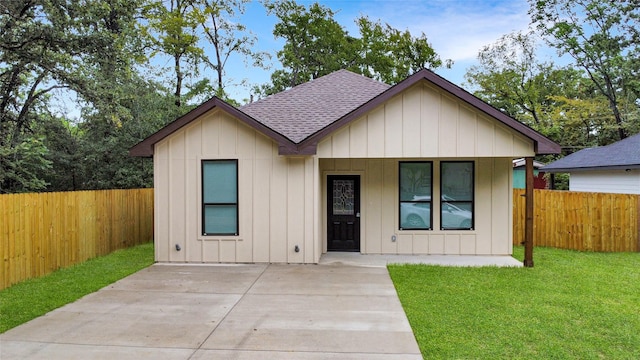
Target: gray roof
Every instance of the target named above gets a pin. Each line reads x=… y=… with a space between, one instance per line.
x=303 y=110
x=624 y=154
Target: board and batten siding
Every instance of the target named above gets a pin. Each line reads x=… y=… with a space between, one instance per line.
x=610 y=181
x=424 y=122
x=379 y=208
x=276 y=196
x=282 y=199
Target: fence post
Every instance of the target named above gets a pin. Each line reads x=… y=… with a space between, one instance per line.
x=528 y=224
x=638 y=221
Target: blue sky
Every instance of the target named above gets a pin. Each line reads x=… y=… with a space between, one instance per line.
x=457 y=30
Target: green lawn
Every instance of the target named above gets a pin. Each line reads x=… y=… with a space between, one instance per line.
x=571 y=305
x=35 y=297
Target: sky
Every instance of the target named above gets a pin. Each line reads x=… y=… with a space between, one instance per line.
x=456 y=29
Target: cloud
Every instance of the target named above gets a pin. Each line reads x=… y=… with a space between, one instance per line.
x=457 y=29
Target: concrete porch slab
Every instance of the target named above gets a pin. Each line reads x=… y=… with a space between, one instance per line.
x=373 y=260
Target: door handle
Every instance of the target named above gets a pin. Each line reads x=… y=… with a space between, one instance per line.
x=357 y=214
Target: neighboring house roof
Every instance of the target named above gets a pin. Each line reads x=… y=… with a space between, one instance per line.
x=624 y=154
x=299 y=118
x=521 y=162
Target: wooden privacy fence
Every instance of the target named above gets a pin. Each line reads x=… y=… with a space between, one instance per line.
x=580 y=220
x=42 y=232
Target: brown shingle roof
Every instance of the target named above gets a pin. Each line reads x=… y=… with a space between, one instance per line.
x=306 y=109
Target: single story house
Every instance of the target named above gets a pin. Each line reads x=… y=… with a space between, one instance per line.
x=614 y=168
x=539 y=180
x=341 y=163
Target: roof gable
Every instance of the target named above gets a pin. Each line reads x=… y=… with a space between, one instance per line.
x=543 y=145
x=298 y=118
x=145 y=147
x=623 y=154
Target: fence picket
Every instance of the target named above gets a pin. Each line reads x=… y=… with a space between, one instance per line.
x=580 y=220
x=40 y=233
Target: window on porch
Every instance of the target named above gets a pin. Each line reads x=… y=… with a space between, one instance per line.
x=415 y=195
x=456 y=195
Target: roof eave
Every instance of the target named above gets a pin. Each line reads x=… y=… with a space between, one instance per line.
x=145 y=148
x=590 y=168
x=547 y=148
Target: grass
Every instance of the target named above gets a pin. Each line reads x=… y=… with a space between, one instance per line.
x=571 y=305
x=35 y=297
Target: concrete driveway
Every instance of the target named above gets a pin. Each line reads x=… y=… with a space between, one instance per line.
x=227 y=312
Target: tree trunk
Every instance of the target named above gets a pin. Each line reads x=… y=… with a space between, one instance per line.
x=179 y=77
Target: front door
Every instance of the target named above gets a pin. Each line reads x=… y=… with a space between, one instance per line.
x=343 y=213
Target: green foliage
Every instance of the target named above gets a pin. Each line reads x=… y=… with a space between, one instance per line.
x=390 y=55
x=32 y=298
x=23 y=166
x=105 y=143
x=603 y=38
x=99 y=52
x=89 y=48
x=172 y=31
x=179 y=29
x=228 y=37
x=561 y=103
x=571 y=305
x=316 y=45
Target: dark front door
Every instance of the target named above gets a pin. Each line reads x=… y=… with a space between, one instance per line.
x=343 y=213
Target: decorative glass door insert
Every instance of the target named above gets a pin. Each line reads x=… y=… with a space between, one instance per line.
x=343 y=197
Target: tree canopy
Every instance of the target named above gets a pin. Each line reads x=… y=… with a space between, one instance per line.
x=591 y=101
x=316 y=45
x=83 y=81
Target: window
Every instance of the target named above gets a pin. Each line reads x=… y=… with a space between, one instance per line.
x=456 y=196
x=220 y=197
x=415 y=195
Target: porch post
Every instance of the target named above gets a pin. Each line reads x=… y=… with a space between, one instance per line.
x=528 y=224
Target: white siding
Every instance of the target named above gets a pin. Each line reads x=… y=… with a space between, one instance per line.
x=611 y=181
x=424 y=122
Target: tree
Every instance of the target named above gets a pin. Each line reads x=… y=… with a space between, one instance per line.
x=316 y=45
x=603 y=39
x=23 y=165
x=510 y=77
x=103 y=149
x=83 y=47
x=390 y=55
x=228 y=37
x=172 y=30
x=561 y=103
